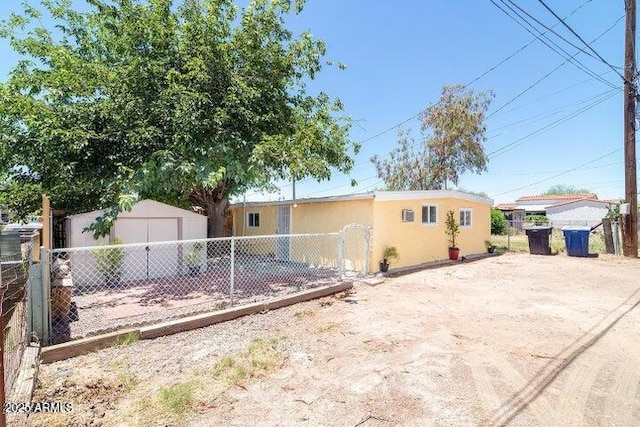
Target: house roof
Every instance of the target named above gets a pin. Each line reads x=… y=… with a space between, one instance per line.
x=380 y=196
x=555 y=197
x=145 y=208
x=604 y=202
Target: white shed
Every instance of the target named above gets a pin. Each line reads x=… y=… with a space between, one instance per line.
x=148 y=221
x=584 y=212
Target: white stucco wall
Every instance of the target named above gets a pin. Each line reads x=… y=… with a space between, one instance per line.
x=582 y=213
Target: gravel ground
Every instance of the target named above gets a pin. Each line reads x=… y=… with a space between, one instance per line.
x=512 y=340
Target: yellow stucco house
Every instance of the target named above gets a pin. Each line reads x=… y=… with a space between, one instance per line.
x=412 y=221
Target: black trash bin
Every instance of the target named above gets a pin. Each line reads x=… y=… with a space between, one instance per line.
x=539 y=240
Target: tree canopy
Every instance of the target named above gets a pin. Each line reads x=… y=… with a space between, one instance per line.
x=188 y=104
x=452 y=132
x=560 y=189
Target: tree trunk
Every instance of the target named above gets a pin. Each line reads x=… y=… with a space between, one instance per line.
x=215 y=204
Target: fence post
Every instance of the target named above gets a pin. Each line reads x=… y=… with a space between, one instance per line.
x=43 y=294
x=341 y=254
x=233 y=269
x=616 y=236
x=509 y=225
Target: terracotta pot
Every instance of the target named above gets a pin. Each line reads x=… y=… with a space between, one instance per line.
x=453 y=254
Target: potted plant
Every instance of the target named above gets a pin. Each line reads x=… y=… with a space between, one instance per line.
x=194 y=258
x=452 y=230
x=389 y=253
x=490 y=246
x=109 y=262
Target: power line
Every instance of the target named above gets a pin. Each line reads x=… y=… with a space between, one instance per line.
x=548 y=172
x=540 y=117
x=552 y=94
x=533 y=40
x=509 y=57
x=562 y=21
x=508 y=147
x=547 y=28
x=551 y=72
x=556 y=49
x=560 y=174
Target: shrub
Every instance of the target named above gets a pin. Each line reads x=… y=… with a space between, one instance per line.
x=498 y=222
x=110 y=260
x=536 y=219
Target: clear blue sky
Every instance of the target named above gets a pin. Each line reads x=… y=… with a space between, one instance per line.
x=400 y=54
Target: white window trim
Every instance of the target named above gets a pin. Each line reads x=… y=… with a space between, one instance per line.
x=470 y=217
x=430 y=224
x=259 y=219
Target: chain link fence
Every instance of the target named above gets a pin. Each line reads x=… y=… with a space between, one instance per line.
x=515 y=238
x=101 y=289
x=356 y=245
x=14 y=269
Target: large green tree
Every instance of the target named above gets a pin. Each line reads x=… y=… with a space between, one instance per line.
x=452 y=130
x=187 y=103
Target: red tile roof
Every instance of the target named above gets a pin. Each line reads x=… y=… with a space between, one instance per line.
x=555 y=197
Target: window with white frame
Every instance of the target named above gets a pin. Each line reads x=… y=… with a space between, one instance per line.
x=407 y=215
x=465 y=217
x=253 y=219
x=429 y=214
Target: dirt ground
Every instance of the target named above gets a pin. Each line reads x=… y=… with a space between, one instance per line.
x=517 y=340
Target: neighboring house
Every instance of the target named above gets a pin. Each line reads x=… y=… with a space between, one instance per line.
x=412 y=221
x=148 y=221
x=583 y=212
x=537 y=205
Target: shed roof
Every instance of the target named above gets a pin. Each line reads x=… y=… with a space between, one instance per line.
x=146 y=208
x=380 y=196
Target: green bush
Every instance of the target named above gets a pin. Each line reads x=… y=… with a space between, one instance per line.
x=537 y=219
x=110 y=260
x=498 y=222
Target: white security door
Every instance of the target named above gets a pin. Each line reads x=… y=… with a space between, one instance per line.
x=283 y=244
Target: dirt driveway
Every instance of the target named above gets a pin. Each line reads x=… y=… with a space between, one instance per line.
x=512 y=340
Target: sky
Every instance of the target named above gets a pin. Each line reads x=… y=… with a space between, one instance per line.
x=544 y=127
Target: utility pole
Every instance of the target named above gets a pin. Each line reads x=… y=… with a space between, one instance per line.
x=630 y=222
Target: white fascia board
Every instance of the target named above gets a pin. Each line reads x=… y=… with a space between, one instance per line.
x=386 y=196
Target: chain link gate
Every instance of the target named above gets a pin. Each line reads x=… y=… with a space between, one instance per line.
x=355 y=250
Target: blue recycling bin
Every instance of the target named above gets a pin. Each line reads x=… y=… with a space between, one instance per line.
x=576 y=239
